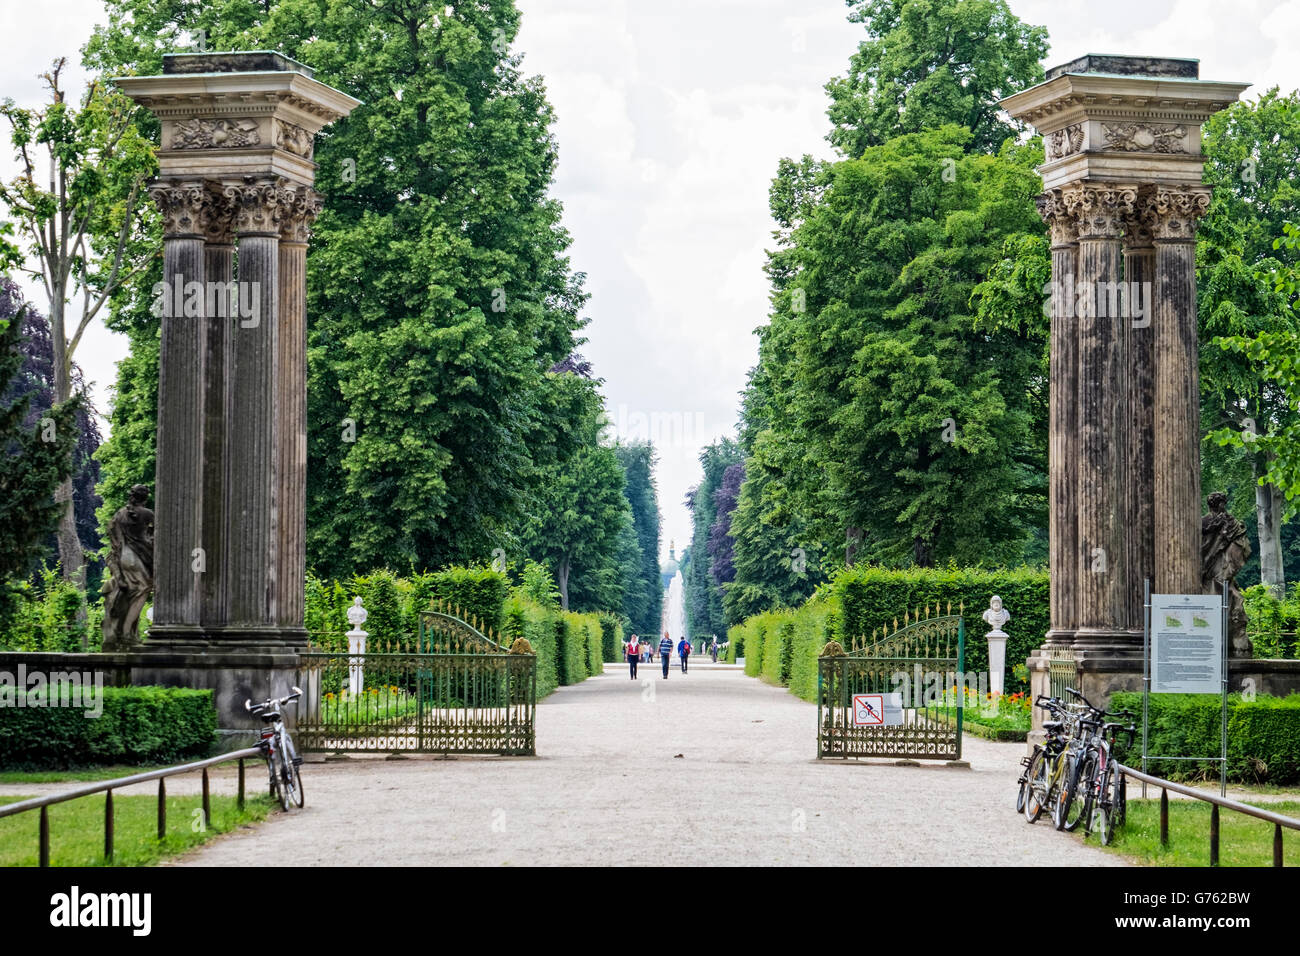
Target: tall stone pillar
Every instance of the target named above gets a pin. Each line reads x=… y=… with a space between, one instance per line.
x=237 y=138
x=1101 y=461
x=1175 y=212
x=178 y=497
x=1139 y=273
x=1122 y=152
x=1062 y=449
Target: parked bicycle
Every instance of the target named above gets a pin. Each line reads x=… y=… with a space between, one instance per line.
x=1045 y=769
x=1093 y=794
x=282 y=760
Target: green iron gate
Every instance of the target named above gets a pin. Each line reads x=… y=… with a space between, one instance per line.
x=893 y=696
x=454 y=691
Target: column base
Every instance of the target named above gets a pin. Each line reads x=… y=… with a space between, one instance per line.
x=225 y=639
x=1116 y=641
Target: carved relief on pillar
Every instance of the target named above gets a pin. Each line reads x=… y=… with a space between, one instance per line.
x=1174 y=212
x=1099 y=209
x=300 y=205
x=256 y=205
x=1061 y=225
x=293 y=139
x=181 y=204
x=218 y=216
x=215 y=134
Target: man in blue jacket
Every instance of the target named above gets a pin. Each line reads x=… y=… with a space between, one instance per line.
x=665 y=651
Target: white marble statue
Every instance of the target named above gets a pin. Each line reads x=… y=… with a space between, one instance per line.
x=996 y=616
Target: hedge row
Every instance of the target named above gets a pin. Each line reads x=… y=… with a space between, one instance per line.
x=611 y=638
x=394 y=603
x=138 y=725
x=1263 y=735
x=782 y=646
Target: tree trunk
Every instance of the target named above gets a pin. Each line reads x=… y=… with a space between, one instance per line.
x=1268 y=520
x=562 y=578
x=72 y=558
x=852 y=544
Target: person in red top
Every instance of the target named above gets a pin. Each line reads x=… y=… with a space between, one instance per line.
x=633 y=654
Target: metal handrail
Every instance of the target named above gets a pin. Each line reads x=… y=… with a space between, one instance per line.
x=1278 y=820
x=108 y=786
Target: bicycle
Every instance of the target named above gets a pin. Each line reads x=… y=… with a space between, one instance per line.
x=1045 y=768
x=282 y=760
x=1089 y=763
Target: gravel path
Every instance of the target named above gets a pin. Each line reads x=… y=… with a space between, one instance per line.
x=706 y=768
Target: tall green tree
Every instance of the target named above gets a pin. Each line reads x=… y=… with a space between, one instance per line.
x=643 y=602
x=927 y=63
x=703 y=595
x=75 y=205
x=918 y=425
x=439 y=291
x=33 y=461
x=1253 y=150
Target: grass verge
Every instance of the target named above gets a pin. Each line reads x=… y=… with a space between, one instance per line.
x=1243 y=840
x=77 y=829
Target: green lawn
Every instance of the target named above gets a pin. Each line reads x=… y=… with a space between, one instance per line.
x=1243 y=840
x=77 y=829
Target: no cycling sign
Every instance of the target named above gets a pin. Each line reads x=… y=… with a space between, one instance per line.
x=877 y=710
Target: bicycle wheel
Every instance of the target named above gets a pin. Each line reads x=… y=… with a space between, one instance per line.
x=1025 y=778
x=286 y=796
x=294 y=777
x=1103 y=815
x=275 y=779
x=1120 y=808
x=1036 y=786
x=1071 y=804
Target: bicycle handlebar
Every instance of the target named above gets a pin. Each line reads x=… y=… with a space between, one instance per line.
x=255 y=708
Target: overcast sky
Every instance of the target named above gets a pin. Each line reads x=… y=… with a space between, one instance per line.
x=672 y=116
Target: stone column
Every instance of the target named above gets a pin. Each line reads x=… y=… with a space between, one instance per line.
x=1099 y=210
x=1063 y=507
x=1174 y=212
x=254 y=425
x=220 y=313
x=300 y=207
x=178 y=495
x=1139 y=282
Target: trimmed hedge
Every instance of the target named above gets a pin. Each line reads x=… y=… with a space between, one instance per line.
x=139 y=725
x=527 y=619
x=782 y=646
x=870 y=598
x=1263 y=735
x=611 y=638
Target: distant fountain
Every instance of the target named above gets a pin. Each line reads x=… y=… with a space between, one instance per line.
x=675 y=609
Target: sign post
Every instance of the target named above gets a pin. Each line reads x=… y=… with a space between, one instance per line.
x=1185 y=651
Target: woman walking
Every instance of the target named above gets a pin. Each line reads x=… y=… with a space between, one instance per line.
x=633 y=654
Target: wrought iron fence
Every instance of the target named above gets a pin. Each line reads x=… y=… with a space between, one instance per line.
x=915 y=675
x=447 y=689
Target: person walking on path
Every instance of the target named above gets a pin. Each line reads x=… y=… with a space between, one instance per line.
x=633 y=654
x=684 y=652
x=665 y=651
x=713 y=651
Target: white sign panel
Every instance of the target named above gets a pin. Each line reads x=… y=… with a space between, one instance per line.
x=1186 y=644
x=877 y=710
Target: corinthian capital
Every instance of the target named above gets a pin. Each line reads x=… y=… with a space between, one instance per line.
x=256 y=205
x=300 y=206
x=1060 y=224
x=1099 y=209
x=181 y=204
x=1174 y=212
